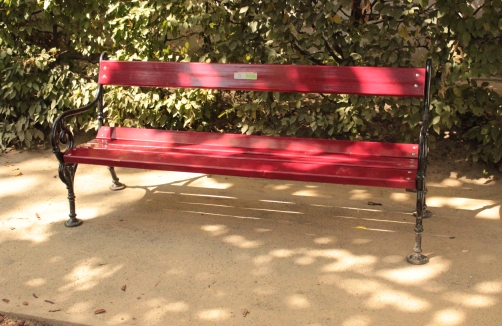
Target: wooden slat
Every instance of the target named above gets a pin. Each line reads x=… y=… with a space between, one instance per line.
x=206 y=139
x=380 y=81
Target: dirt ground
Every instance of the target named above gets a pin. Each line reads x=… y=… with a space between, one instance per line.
x=189 y=249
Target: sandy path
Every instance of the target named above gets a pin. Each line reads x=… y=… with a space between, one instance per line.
x=211 y=250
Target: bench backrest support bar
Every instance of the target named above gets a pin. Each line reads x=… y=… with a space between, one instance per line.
x=378 y=81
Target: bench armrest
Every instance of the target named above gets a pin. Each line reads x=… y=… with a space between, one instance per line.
x=60 y=134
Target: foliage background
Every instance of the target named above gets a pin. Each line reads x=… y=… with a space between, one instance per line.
x=49 y=52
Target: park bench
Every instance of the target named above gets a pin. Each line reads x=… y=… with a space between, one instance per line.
x=378 y=164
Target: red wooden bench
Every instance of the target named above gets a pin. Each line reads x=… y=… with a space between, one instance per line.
x=310 y=160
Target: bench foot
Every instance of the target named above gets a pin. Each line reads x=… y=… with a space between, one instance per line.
x=116 y=185
x=417 y=259
x=73 y=222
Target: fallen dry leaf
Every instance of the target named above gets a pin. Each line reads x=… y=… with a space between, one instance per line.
x=26 y=303
x=374 y=204
x=35 y=295
x=124 y=288
x=51 y=302
x=38 y=216
x=245 y=312
x=6 y=300
x=99 y=311
x=12 y=228
x=19 y=174
x=55 y=310
x=361 y=227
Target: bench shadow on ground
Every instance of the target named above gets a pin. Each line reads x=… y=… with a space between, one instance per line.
x=177 y=249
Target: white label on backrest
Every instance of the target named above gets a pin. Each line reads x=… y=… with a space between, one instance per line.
x=246 y=75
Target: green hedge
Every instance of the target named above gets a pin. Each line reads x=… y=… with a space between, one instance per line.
x=49 y=51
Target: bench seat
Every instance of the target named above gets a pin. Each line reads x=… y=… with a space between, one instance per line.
x=312 y=160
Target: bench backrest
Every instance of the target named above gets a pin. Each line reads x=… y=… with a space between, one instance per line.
x=379 y=81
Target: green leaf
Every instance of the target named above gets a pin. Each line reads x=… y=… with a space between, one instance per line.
x=466 y=37
x=337 y=19
x=393 y=57
x=457 y=91
x=495 y=132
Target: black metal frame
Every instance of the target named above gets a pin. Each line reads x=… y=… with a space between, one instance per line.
x=60 y=134
x=417 y=258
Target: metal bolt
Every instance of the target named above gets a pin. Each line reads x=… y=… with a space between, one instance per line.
x=418 y=75
x=413 y=154
x=104 y=76
x=105 y=69
x=416 y=85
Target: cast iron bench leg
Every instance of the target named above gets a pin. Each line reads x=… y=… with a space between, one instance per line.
x=116 y=185
x=417 y=258
x=427 y=213
x=67 y=175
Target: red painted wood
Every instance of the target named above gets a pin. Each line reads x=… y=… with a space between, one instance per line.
x=330 y=161
x=253 y=142
x=381 y=81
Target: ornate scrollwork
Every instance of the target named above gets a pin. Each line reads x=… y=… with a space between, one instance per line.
x=60 y=134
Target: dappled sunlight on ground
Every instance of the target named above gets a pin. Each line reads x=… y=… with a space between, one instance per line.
x=448 y=317
x=488 y=287
x=297 y=301
x=189 y=249
x=455 y=181
x=491 y=213
x=410 y=275
x=378 y=295
x=459 y=203
x=26 y=230
x=84 y=277
x=214 y=314
x=400 y=196
x=9 y=188
x=357 y=321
